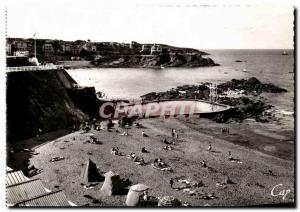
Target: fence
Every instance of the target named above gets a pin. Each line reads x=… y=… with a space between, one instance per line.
x=35 y=68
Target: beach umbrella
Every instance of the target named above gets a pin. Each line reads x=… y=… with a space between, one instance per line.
x=134 y=194
x=139 y=187
x=112 y=184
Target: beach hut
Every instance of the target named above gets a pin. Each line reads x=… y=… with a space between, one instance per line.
x=112 y=184
x=168 y=201
x=134 y=194
x=90 y=173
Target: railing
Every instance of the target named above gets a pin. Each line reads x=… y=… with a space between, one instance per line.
x=35 y=68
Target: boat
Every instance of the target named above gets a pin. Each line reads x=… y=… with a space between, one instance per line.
x=284 y=53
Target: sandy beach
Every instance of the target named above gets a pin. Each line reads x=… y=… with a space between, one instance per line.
x=263 y=163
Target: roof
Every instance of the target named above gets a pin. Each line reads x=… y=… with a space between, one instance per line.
x=22 y=191
x=25 y=190
x=110 y=174
x=139 y=187
x=15 y=177
x=52 y=199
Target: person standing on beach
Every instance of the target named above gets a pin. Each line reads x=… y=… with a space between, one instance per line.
x=171 y=182
x=209 y=147
x=229 y=155
x=173 y=133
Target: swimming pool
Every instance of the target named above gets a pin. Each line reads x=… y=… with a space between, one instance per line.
x=165 y=108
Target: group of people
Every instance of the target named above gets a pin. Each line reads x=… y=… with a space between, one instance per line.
x=167 y=148
x=174 y=137
x=225 y=130
x=88 y=126
x=209 y=148
x=159 y=163
x=93 y=140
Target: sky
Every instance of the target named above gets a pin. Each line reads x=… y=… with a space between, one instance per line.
x=186 y=25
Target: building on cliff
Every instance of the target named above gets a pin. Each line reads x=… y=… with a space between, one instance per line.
x=134 y=44
x=76 y=49
x=156 y=49
x=8 y=49
x=90 y=47
x=48 y=48
x=145 y=49
x=18 y=47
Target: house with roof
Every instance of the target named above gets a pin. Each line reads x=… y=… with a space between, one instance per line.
x=47 y=48
x=76 y=49
x=156 y=49
x=90 y=47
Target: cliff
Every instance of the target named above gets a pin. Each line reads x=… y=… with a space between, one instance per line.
x=46 y=100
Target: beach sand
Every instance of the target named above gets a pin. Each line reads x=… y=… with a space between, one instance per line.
x=259 y=147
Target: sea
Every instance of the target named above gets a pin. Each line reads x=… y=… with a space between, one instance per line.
x=269 y=66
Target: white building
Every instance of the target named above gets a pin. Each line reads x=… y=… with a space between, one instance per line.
x=21 y=53
x=156 y=49
x=8 y=49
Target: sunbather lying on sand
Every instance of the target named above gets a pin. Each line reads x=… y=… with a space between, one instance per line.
x=124 y=133
x=158 y=163
x=144 y=150
x=233 y=159
x=203 y=164
x=54 y=159
x=168 y=148
x=139 y=161
x=115 y=151
x=144 y=134
x=131 y=155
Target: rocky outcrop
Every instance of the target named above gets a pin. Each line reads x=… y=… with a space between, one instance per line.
x=244 y=106
x=46 y=100
x=153 y=61
x=251 y=85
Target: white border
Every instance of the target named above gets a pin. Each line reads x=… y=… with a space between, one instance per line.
x=161 y=2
